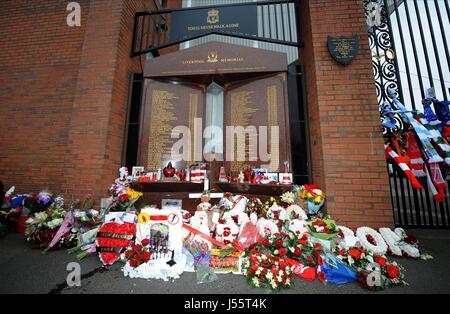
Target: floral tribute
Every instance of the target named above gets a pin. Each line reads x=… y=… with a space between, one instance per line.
x=267 y=271
x=270 y=241
x=43 y=225
x=375 y=272
x=325 y=229
x=123 y=197
x=138 y=254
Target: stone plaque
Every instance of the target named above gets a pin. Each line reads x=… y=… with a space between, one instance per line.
x=343 y=49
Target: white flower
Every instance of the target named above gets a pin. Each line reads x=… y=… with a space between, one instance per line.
x=287 y=282
x=258 y=271
x=255 y=282
x=369 y=258
x=273 y=284
x=281 y=273
x=269 y=276
x=55 y=223
x=288 y=198
x=350 y=260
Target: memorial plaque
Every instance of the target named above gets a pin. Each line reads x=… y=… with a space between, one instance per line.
x=169 y=106
x=258 y=105
x=343 y=49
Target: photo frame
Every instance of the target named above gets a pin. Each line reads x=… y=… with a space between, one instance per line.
x=285 y=178
x=136 y=171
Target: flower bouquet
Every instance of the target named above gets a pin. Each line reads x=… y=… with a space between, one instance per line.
x=254 y=205
x=138 y=254
x=324 y=229
x=267 y=271
x=374 y=272
x=85 y=216
x=202 y=260
x=37 y=203
x=314 y=197
x=124 y=198
x=42 y=227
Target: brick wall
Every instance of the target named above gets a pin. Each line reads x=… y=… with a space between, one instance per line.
x=347 y=145
x=64 y=93
x=39 y=61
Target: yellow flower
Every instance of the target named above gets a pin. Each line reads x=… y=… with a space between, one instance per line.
x=133 y=194
x=318 y=199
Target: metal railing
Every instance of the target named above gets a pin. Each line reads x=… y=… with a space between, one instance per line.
x=409 y=40
x=152 y=29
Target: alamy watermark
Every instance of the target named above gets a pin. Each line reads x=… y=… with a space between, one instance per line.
x=74 y=17
x=249 y=143
x=73 y=279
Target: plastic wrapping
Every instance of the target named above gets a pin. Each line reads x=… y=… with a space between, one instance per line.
x=249 y=235
x=202 y=259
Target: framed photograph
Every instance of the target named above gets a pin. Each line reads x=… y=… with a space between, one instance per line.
x=137 y=171
x=272 y=176
x=285 y=178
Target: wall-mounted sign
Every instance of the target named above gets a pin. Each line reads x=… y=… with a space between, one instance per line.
x=192 y=23
x=343 y=49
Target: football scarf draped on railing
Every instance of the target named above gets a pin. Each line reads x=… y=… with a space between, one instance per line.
x=401 y=163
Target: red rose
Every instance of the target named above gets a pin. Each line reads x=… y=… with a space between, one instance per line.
x=133 y=263
x=380 y=260
x=318 y=246
x=355 y=253
x=252 y=251
x=282 y=252
x=274 y=271
x=310 y=259
x=302 y=242
x=129 y=254
x=146 y=256
x=319 y=260
x=297 y=252
x=321 y=276
x=279 y=243
x=145 y=242
x=266 y=243
x=393 y=272
x=255 y=267
x=326 y=230
x=342 y=252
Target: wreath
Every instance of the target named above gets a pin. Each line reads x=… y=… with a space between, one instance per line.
x=367 y=236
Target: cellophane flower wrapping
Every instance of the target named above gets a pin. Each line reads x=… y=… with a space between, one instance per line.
x=336 y=271
x=202 y=259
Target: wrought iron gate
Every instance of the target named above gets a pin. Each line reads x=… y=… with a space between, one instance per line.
x=409 y=40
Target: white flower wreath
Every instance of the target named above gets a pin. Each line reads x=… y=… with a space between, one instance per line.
x=407 y=248
x=282 y=215
x=298 y=226
x=392 y=240
x=297 y=211
x=266 y=227
x=380 y=248
x=349 y=236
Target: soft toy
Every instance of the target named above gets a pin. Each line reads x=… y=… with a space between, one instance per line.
x=199 y=222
